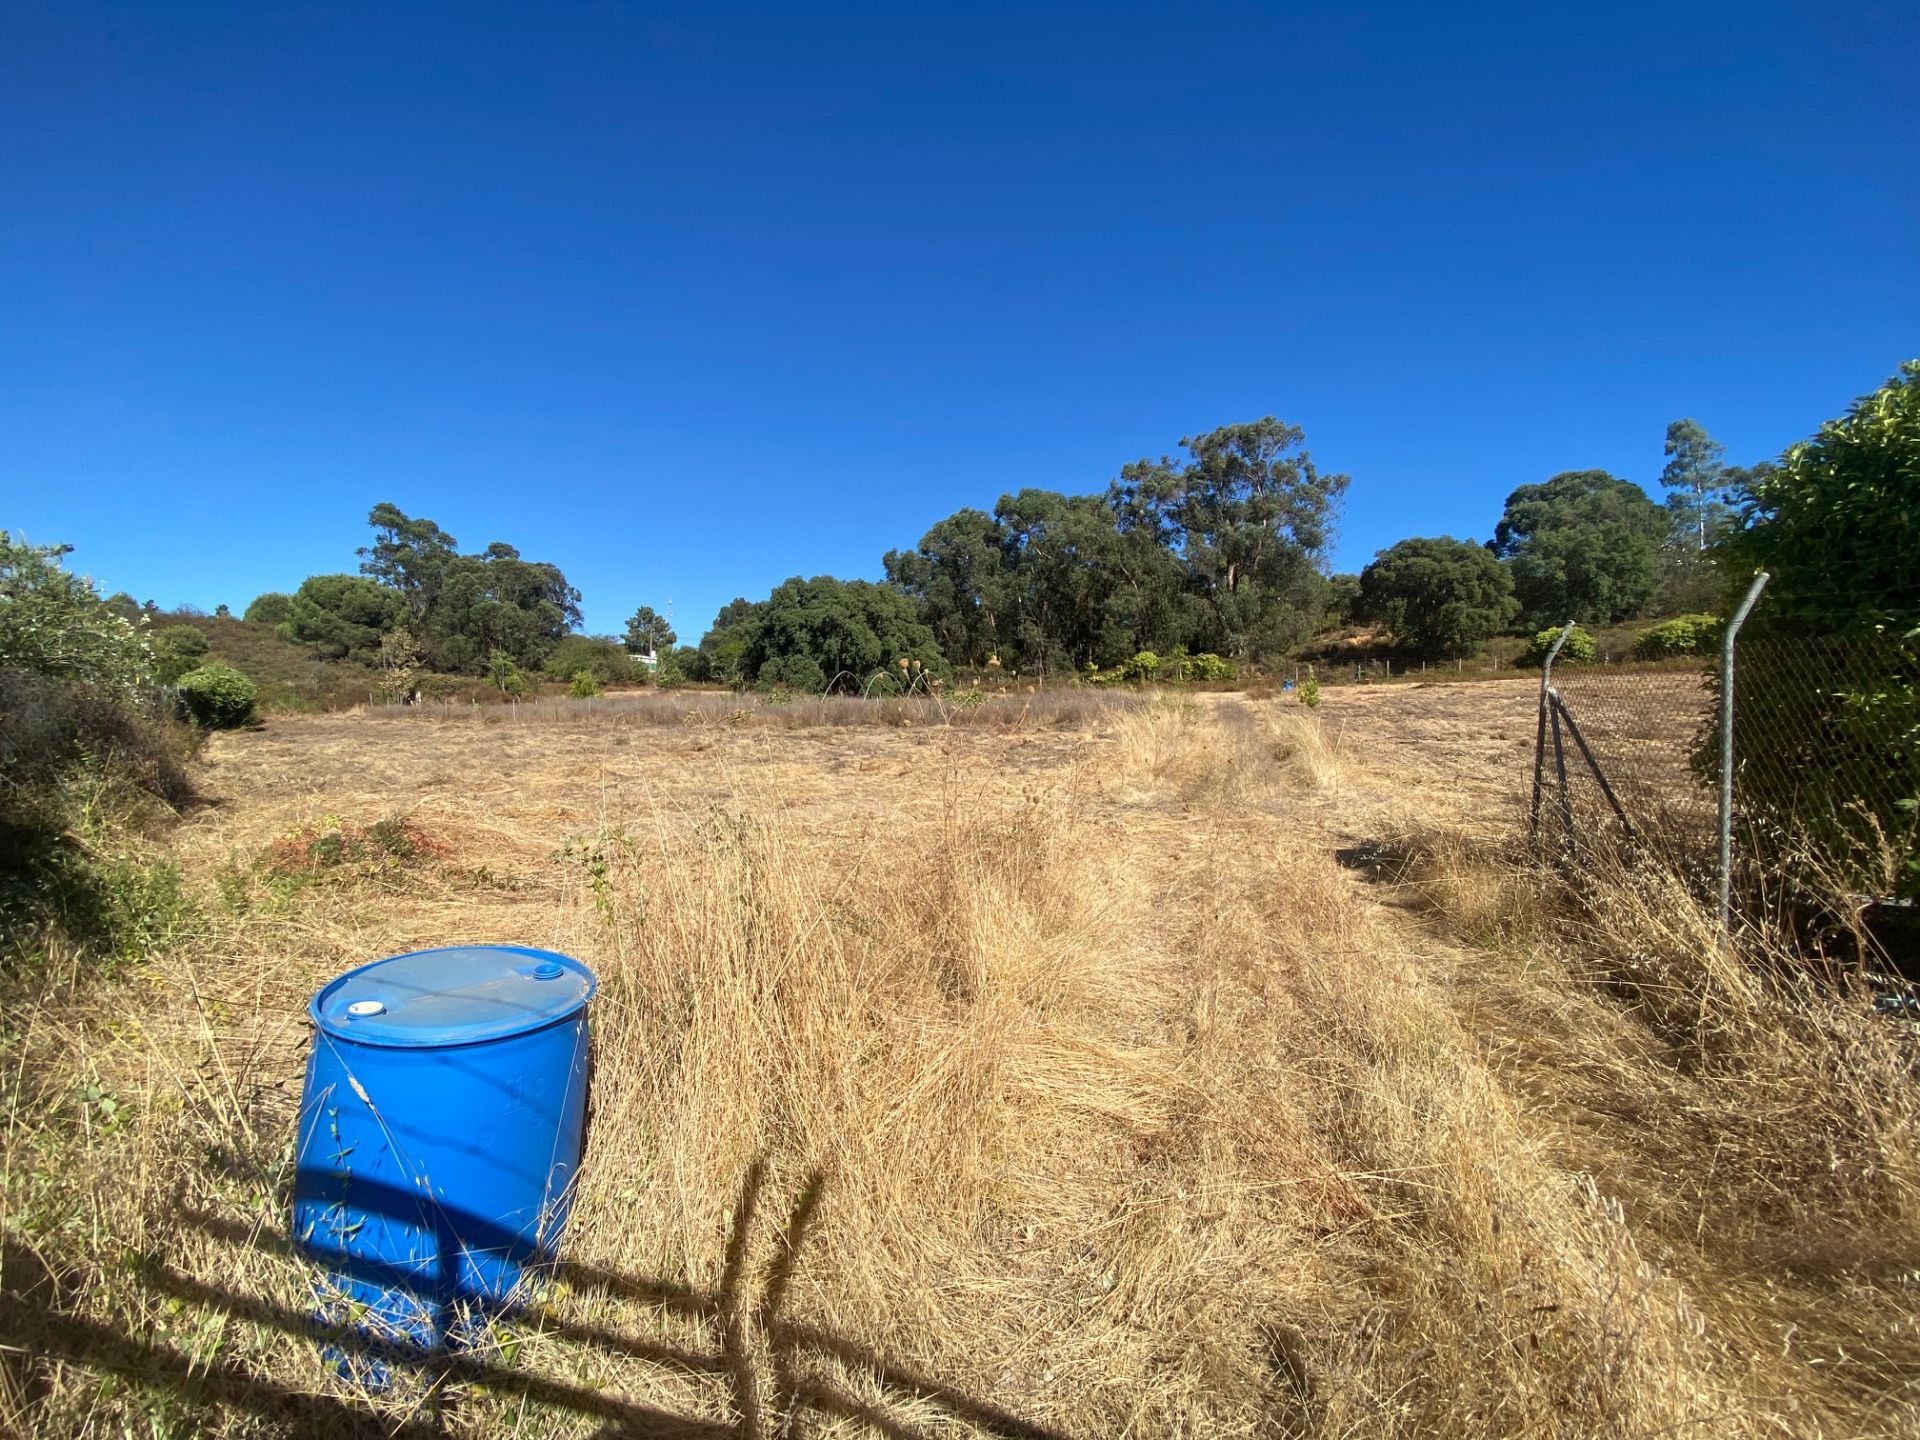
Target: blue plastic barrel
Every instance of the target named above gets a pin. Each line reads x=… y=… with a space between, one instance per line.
x=440 y=1132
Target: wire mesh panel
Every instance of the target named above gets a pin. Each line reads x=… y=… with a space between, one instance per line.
x=1638 y=731
x=1826 y=745
x=1826 y=750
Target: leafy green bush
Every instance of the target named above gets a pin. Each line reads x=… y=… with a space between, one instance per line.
x=54 y=623
x=1442 y=598
x=827 y=628
x=217 y=697
x=1208 y=666
x=598 y=655
x=1143 y=666
x=794 y=673
x=1310 y=689
x=1682 y=635
x=583 y=686
x=177 y=649
x=1827 y=731
x=272 y=608
x=79 y=761
x=341 y=616
x=1579 y=649
x=505 y=675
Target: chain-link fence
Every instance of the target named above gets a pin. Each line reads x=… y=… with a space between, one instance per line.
x=1824 y=786
x=1826 y=750
x=1636 y=731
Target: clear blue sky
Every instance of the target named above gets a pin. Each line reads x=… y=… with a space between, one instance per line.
x=691 y=299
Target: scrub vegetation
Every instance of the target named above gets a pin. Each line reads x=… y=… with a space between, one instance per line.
x=1122 y=1064
x=1005 y=1029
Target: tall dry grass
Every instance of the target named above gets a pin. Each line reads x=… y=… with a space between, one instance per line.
x=1091 y=1101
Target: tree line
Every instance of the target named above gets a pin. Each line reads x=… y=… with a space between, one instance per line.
x=1219 y=549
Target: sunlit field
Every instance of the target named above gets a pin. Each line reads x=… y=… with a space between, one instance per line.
x=1079 y=1065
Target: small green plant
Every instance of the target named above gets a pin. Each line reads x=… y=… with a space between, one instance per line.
x=400 y=661
x=217 y=697
x=970 y=699
x=1142 y=667
x=1682 y=635
x=99 y=1102
x=583 y=685
x=1579 y=649
x=1310 y=689
x=505 y=675
x=595 y=855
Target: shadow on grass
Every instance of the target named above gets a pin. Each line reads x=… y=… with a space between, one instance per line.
x=764 y=1369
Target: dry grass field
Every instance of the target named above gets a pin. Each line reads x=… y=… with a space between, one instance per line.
x=1097 y=1067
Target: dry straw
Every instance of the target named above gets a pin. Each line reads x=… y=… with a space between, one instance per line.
x=1048 y=1076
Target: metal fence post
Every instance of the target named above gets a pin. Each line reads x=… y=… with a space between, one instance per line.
x=1540 y=734
x=1726 y=746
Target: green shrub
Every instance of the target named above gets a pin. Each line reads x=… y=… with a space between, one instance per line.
x=79 y=762
x=793 y=672
x=1579 y=649
x=54 y=623
x=177 y=649
x=1827 y=731
x=1310 y=690
x=604 y=659
x=1143 y=666
x=505 y=675
x=217 y=697
x=272 y=608
x=1208 y=666
x=1682 y=635
x=583 y=686
x=341 y=616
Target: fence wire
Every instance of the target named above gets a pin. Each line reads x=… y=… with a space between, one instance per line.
x=1644 y=727
x=1826 y=747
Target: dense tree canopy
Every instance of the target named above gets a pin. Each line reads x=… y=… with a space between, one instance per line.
x=601 y=656
x=1218 y=551
x=269 y=609
x=721 y=654
x=1583 y=546
x=342 y=616
x=1828 y=732
x=1442 y=598
x=497 y=601
x=411 y=556
x=962 y=576
x=1342 y=603
x=1250 y=517
x=826 y=633
x=1837 y=523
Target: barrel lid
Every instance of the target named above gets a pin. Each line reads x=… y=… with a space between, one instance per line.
x=457 y=996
